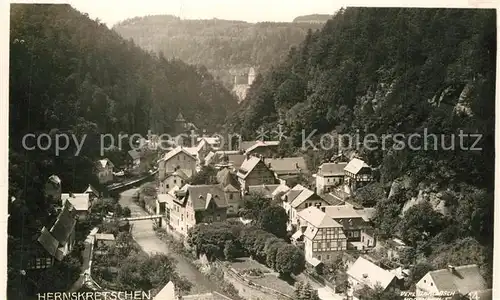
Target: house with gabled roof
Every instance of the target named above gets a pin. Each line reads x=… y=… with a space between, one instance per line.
x=364 y=273
x=357 y=174
x=323 y=237
x=231 y=187
x=177 y=159
x=464 y=280
x=254 y=171
x=298 y=198
x=93 y=193
x=177 y=178
x=58 y=241
x=104 y=170
x=355 y=224
x=329 y=175
x=194 y=204
x=287 y=165
x=80 y=201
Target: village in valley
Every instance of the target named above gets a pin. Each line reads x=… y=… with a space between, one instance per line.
x=244 y=200
x=189 y=190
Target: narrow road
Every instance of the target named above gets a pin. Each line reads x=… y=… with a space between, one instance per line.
x=143 y=233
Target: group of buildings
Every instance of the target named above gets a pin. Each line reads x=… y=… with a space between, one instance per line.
x=57 y=239
x=321 y=219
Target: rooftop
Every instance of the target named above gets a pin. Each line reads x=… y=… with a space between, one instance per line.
x=355 y=165
x=317 y=218
x=176 y=151
x=463 y=279
x=80 y=201
x=332 y=169
x=370 y=274
x=259 y=144
x=286 y=165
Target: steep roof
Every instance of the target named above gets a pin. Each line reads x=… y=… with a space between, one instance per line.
x=304 y=195
x=227 y=178
x=317 y=218
x=293 y=193
x=48 y=242
x=332 y=169
x=355 y=165
x=64 y=225
x=366 y=272
x=287 y=165
x=464 y=279
x=176 y=151
x=247 y=166
x=91 y=190
x=202 y=195
x=236 y=160
x=80 y=201
x=103 y=163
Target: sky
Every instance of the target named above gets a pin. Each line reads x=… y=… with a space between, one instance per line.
x=113 y=11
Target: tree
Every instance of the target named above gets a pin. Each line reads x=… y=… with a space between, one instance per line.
x=253 y=204
x=417 y=272
x=231 y=250
x=420 y=222
x=369 y=195
x=305 y=292
x=273 y=219
x=289 y=260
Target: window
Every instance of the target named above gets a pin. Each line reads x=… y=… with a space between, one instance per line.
x=231 y=196
x=217 y=218
x=319 y=257
x=356 y=234
x=339 y=244
x=167 y=186
x=182 y=217
x=328 y=256
x=175 y=181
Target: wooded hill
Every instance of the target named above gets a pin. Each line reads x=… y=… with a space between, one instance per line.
x=70 y=74
x=388 y=71
x=225 y=47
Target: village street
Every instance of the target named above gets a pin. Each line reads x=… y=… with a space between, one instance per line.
x=143 y=233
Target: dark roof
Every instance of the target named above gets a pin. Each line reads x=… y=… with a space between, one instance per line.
x=202 y=195
x=226 y=177
x=292 y=194
x=332 y=200
x=65 y=223
x=48 y=242
x=332 y=169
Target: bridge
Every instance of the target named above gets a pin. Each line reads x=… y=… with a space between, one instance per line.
x=139 y=218
x=131 y=183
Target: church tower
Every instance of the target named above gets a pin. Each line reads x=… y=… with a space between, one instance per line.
x=180 y=124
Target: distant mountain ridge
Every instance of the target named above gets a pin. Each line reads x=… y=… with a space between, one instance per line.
x=314 y=18
x=225 y=47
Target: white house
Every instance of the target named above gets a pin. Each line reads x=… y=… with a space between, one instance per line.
x=365 y=273
x=177 y=159
x=104 y=170
x=329 y=175
x=464 y=280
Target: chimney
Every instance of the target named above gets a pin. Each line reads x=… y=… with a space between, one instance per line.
x=269 y=165
x=451 y=269
x=297 y=166
x=71 y=194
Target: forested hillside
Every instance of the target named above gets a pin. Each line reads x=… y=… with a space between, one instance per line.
x=389 y=71
x=72 y=75
x=223 y=46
